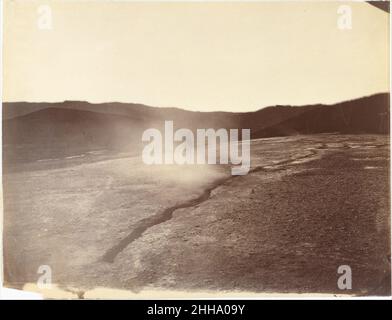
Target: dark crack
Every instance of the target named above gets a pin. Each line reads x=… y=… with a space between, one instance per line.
x=167 y=214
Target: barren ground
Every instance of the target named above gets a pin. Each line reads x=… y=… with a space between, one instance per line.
x=309 y=205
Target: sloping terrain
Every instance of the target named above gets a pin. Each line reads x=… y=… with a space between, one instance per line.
x=34 y=131
x=308 y=205
x=366 y=115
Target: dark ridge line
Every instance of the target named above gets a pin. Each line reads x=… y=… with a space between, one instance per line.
x=167 y=214
x=191 y=110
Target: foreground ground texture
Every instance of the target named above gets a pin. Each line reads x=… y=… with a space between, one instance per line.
x=308 y=205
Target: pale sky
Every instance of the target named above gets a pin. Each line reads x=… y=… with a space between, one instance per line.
x=196 y=56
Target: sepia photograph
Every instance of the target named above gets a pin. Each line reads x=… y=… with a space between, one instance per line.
x=196 y=150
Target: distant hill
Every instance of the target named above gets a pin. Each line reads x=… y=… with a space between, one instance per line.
x=41 y=130
x=364 y=115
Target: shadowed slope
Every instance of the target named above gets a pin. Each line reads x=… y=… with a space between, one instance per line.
x=38 y=130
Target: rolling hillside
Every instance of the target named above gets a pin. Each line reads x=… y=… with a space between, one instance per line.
x=35 y=130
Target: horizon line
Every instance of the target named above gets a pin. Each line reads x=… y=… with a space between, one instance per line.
x=183 y=109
